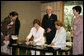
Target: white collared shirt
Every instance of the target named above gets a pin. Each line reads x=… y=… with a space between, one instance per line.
x=49 y=15
x=60 y=38
x=38 y=35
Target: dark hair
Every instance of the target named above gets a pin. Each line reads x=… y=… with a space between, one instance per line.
x=36 y=21
x=58 y=23
x=13 y=13
x=77 y=8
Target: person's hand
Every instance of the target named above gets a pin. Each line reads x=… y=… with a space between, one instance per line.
x=31 y=42
x=27 y=40
x=51 y=44
x=48 y=30
x=72 y=33
x=7 y=37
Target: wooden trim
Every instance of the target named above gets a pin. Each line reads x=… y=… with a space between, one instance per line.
x=11 y=50
x=46 y=1
x=57 y=53
x=68 y=52
x=40 y=13
x=26 y=52
x=61 y=11
x=21 y=41
x=56 y=10
x=64 y=53
x=18 y=51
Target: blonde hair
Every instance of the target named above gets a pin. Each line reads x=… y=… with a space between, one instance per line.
x=59 y=23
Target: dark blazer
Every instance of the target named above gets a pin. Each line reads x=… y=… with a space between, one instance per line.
x=49 y=23
x=17 y=26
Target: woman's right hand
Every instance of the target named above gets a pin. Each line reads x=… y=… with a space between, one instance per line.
x=51 y=44
x=27 y=40
x=31 y=42
x=72 y=33
x=48 y=30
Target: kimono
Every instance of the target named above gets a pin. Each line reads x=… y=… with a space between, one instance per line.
x=8 y=26
x=77 y=28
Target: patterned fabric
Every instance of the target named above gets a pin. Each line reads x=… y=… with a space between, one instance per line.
x=77 y=27
x=2 y=39
x=8 y=26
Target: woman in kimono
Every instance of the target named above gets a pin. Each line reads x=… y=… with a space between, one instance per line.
x=10 y=26
x=77 y=31
x=38 y=33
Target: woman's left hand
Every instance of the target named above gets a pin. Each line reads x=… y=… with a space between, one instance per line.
x=51 y=44
x=72 y=33
x=31 y=42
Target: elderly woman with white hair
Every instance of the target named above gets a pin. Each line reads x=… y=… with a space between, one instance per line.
x=59 y=40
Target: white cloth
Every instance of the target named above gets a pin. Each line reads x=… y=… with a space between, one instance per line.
x=48 y=53
x=49 y=15
x=38 y=38
x=60 y=38
x=33 y=52
x=38 y=35
x=1 y=34
x=5 y=48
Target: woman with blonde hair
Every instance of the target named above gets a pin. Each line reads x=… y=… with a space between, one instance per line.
x=59 y=40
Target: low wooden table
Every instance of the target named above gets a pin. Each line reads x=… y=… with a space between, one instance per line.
x=55 y=51
x=66 y=49
x=36 y=48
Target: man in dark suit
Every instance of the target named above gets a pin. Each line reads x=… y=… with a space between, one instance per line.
x=48 y=23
